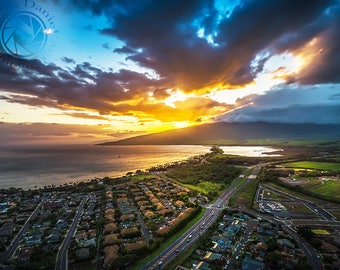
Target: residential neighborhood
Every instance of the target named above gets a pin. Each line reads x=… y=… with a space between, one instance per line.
x=239 y=241
x=119 y=222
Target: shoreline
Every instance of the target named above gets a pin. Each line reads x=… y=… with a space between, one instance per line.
x=31 y=179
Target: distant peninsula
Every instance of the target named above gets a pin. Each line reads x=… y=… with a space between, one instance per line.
x=225 y=133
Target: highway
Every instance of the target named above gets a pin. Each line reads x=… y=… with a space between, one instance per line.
x=310 y=253
x=62 y=259
x=14 y=244
x=197 y=230
x=317 y=209
x=213 y=211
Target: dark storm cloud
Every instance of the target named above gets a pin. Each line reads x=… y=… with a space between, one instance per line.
x=326 y=69
x=83 y=86
x=167 y=35
x=163 y=36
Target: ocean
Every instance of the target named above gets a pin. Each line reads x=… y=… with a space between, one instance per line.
x=38 y=166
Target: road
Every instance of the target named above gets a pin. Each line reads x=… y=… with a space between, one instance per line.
x=14 y=244
x=62 y=259
x=312 y=256
x=310 y=253
x=211 y=214
x=145 y=230
x=197 y=230
x=317 y=209
x=239 y=247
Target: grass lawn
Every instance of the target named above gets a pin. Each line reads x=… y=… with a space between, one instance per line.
x=273 y=195
x=245 y=196
x=154 y=254
x=320 y=232
x=294 y=193
x=310 y=181
x=205 y=187
x=296 y=207
x=329 y=189
x=314 y=165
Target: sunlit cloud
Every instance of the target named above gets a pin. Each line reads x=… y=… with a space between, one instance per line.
x=275 y=70
x=198 y=60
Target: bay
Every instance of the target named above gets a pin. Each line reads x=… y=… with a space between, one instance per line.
x=31 y=166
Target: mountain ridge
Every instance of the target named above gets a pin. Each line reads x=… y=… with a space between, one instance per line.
x=219 y=132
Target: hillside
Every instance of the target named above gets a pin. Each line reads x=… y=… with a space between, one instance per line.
x=223 y=132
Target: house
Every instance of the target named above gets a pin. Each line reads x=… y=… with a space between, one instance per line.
x=285 y=242
x=250 y=264
x=110 y=228
x=25 y=254
x=92 y=242
x=53 y=238
x=210 y=256
x=201 y=266
x=33 y=240
x=83 y=253
x=111 y=254
x=80 y=236
x=61 y=223
x=7 y=229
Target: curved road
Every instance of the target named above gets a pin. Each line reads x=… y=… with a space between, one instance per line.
x=319 y=210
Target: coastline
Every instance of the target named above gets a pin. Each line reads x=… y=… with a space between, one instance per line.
x=31 y=167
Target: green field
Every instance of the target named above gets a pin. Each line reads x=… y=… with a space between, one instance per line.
x=296 y=207
x=320 y=232
x=328 y=188
x=273 y=195
x=245 y=196
x=206 y=187
x=314 y=165
x=295 y=193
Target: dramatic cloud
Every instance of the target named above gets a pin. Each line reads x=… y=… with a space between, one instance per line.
x=320 y=104
x=179 y=55
x=86 y=87
x=222 y=55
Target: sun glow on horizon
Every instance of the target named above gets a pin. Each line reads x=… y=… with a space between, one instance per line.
x=275 y=71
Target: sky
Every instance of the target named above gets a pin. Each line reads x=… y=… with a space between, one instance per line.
x=99 y=70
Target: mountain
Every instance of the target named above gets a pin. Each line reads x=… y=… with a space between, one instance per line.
x=223 y=132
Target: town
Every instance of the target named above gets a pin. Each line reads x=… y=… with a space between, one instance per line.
x=145 y=220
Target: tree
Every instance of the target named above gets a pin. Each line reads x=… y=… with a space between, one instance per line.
x=216 y=150
x=305 y=232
